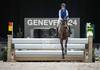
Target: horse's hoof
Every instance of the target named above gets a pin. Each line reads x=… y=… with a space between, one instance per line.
x=63 y=57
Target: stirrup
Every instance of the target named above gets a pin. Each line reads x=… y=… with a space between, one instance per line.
x=70 y=32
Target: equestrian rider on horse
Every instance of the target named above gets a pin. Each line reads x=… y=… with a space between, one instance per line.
x=63 y=16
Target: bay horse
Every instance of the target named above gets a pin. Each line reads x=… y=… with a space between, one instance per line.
x=63 y=33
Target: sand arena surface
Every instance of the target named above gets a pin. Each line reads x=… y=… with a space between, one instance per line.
x=48 y=66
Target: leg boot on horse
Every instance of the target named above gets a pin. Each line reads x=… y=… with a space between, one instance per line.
x=66 y=46
x=61 y=41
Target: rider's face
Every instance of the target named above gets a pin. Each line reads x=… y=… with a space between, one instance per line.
x=62 y=7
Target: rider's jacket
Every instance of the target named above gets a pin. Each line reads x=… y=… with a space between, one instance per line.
x=63 y=14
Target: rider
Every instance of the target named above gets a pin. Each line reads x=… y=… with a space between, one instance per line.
x=63 y=15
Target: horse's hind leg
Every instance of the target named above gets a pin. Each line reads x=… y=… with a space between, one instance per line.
x=66 y=45
x=61 y=41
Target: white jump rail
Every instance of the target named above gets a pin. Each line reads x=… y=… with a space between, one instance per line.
x=47 y=46
x=48 y=40
x=45 y=53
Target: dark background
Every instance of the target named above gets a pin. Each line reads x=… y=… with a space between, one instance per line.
x=17 y=10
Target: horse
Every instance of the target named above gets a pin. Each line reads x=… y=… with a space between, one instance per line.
x=63 y=33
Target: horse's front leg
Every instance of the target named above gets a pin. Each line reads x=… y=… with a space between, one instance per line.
x=66 y=45
x=61 y=42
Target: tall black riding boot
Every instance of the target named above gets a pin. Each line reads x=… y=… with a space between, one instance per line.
x=70 y=30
